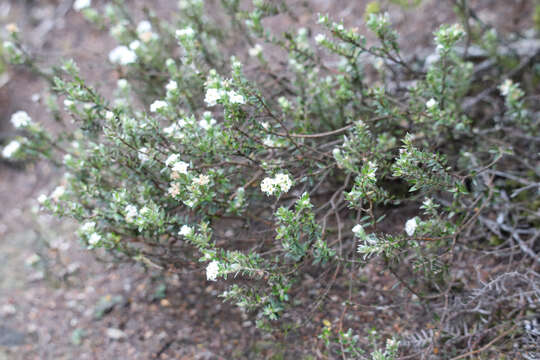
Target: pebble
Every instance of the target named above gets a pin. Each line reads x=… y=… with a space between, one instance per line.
x=115 y=334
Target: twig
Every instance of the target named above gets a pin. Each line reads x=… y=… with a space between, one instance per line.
x=487 y=346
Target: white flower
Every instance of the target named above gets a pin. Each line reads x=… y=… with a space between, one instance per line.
x=122 y=55
x=170 y=130
x=118 y=30
x=391 y=343
x=78 y=5
x=143 y=154
x=236 y=65
x=94 y=239
x=320 y=38
x=205 y=124
x=255 y=51
x=201 y=180
x=267 y=186
x=187 y=32
x=174 y=190
x=358 y=230
x=170 y=63
x=431 y=103
x=42 y=198
x=185 y=230
x=265 y=125
x=135 y=45
x=505 y=87
x=67 y=158
x=235 y=98
x=12 y=28
x=174 y=130
x=428 y=203
x=58 y=192
x=457 y=30
x=410 y=226
x=212 y=271
x=269 y=141
x=122 y=83
x=144 y=30
x=131 y=213
x=20 y=119
x=284 y=182
x=88 y=227
x=180 y=167
x=171 y=86
x=11 y=149
x=109 y=115
x=172 y=159
x=158 y=105
x=281 y=181
x=144 y=27
x=207 y=121
x=68 y=103
x=212 y=96
x=336 y=152
x=284 y=103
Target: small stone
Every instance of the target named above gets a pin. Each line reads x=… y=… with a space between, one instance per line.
x=115 y=334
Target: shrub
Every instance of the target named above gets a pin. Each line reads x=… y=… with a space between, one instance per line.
x=307 y=160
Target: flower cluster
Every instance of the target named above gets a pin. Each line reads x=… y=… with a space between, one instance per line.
x=21 y=119
x=213 y=96
x=158 y=105
x=256 y=51
x=410 y=226
x=185 y=33
x=131 y=213
x=122 y=55
x=447 y=36
x=281 y=183
x=88 y=231
x=186 y=230
x=177 y=166
x=11 y=149
x=79 y=5
x=212 y=271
